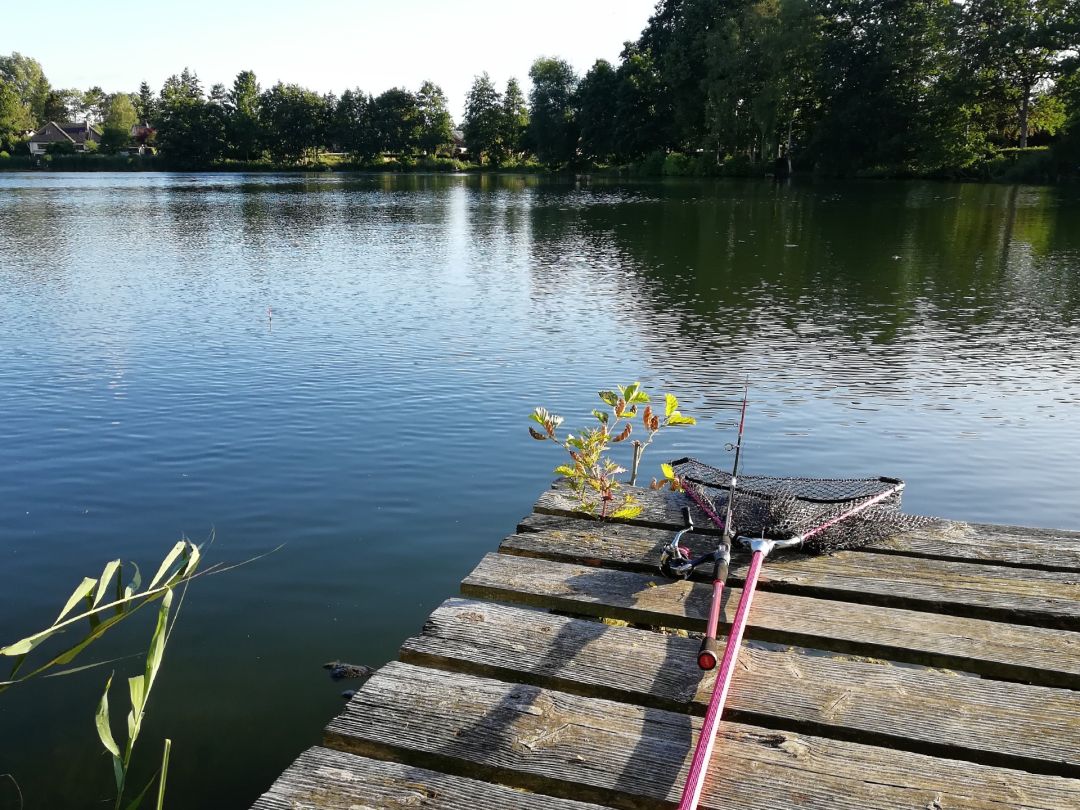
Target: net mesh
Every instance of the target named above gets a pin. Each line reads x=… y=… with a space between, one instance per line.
x=781 y=508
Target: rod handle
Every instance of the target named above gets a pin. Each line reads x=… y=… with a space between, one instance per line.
x=688 y=521
x=707 y=657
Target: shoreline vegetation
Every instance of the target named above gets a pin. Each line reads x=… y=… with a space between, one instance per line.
x=980 y=90
x=1031 y=165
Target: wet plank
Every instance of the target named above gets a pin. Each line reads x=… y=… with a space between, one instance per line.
x=636 y=757
x=1049 y=549
x=1014 y=725
x=995 y=649
x=323 y=779
x=998 y=592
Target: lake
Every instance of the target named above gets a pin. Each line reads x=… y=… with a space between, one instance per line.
x=375 y=426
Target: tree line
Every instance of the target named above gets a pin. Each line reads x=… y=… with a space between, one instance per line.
x=837 y=86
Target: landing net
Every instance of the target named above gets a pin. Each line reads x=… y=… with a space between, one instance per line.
x=830 y=513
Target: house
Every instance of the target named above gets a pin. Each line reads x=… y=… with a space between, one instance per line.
x=458 y=138
x=78 y=134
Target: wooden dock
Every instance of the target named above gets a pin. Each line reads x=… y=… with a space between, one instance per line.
x=936 y=670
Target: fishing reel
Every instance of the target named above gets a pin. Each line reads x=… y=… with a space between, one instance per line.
x=675 y=562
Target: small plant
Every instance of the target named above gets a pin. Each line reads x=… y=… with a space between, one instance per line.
x=591 y=473
x=102 y=612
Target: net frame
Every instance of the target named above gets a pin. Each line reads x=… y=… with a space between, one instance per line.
x=819 y=515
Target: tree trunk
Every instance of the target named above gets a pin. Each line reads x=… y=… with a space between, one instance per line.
x=1025 y=105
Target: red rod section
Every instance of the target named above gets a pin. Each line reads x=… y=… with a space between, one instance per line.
x=714 y=608
x=695 y=779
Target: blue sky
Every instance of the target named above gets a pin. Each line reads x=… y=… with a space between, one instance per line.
x=321 y=44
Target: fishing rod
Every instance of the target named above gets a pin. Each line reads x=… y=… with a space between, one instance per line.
x=676 y=562
x=817 y=516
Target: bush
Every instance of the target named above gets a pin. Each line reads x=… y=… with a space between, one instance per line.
x=677 y=164
x=739 y=166
x=4 y=155
x=652 y=165
x=60 y=148
x=1034 y=164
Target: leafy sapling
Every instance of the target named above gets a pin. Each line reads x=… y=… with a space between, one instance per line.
x=591 y=474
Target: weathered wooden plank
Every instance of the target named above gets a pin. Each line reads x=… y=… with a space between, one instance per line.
x=996 y=649
x=635 y=757
x=324 y=779
x=1049 y=549
x=1013 y=725
x=999 y=592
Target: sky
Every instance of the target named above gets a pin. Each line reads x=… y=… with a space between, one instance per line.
x=326 y=45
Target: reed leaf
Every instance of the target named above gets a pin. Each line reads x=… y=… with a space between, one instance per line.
x=80 y=591
x=167 y=563
x=107 y=575
x=102 y=721
x=137 y=691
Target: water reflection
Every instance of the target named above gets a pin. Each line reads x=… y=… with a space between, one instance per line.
x=921 y=330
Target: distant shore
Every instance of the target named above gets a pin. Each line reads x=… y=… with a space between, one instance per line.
x=1034 y=165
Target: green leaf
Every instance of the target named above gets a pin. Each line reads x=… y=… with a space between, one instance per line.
x=132 y=587
x=539 y=416
x=101 y=719
x=137 y=690
x=23 y=646
x=106 y=579
x=678 y=419
x=609 y=398
x=194 y=555
x=157 y=643
x=671 y=404
x=640 y=396
x=627 y=512
x=81 y=590
x=601 y=416
x=134 y=803
x=630 y=391
x=167 y=563
x=567 y=472
x=668 y=471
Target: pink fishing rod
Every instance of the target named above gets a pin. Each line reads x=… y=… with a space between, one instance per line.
x=677 y=562
x=761 y=547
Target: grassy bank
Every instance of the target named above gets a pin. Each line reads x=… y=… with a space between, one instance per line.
x=1039 y=164
x=323 y=163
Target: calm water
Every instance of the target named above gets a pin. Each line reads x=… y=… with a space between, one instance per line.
x=377 y=426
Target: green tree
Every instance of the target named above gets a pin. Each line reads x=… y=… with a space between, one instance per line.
x=883 y=71
x=436 y=125
x=482 y=124
x=61 y=105
x=596 y=110
x=514 y=127
x=395 y=116
x=294 y=122
x=675 y=48
x=552 y=127
x=352 y=127
x=146 y=108
x=120 y=117
x=243 y=109
x=25 y=76
x=642 y=117
x=1020 y=46
x=93 y=104
x=191 y=127
x=14 y=117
